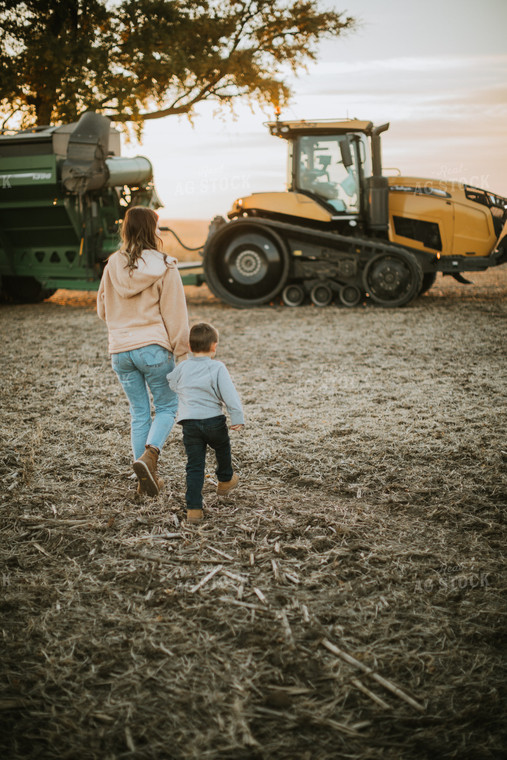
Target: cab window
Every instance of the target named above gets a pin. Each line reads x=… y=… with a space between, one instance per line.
x=320 y=171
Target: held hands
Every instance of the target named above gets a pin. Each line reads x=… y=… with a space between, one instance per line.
x=237 y=427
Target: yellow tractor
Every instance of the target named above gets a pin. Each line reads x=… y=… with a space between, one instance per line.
x=344 y=231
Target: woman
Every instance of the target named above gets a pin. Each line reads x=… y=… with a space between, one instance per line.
x=142 y=301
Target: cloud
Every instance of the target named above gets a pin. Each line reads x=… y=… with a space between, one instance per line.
x=412 y=64
x=494 y=95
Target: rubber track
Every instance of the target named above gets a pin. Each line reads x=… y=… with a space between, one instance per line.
x=347 y=244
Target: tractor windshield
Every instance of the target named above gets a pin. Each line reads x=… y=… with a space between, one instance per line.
x=320 y=170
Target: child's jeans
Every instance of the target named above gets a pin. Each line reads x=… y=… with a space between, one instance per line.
x=197 y=434
x=137 y=369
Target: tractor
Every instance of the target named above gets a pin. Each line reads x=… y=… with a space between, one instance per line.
x=343 y=231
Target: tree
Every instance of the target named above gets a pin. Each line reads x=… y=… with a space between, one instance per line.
x=136 y=60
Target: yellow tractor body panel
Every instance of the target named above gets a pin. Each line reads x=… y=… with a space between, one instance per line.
x=473 y=229
x=286 y=204
x=465 y=227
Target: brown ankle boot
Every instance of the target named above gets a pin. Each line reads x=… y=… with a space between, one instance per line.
x=195 y=516
x=160 y=484
x=146 y=470
x=224 y=486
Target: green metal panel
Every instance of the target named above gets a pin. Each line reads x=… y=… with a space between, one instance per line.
x=49 y=234
x=193 y=279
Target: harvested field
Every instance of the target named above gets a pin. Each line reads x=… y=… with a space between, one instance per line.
x=348 y=601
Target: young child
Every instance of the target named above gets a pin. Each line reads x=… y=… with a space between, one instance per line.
x=202 y=386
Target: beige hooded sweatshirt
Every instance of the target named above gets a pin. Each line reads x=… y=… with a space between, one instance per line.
x=143 y=306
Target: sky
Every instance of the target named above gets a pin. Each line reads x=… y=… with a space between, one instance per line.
x=436 y=70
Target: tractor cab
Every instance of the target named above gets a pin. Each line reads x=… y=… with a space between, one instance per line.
x=327 y=167
x=334 y=176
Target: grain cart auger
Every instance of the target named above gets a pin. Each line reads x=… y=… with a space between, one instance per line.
x=63 y=191
x=344 y=230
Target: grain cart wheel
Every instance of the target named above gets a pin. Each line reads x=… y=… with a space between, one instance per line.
x=293 y=295
x=246 y=265
x=25 y=289
x=393 y=278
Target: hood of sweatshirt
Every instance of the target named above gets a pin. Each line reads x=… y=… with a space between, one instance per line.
x=150 y=268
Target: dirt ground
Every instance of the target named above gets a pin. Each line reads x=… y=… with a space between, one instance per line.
x=348 y=601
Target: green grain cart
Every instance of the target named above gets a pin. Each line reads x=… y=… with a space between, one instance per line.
x=63 y=192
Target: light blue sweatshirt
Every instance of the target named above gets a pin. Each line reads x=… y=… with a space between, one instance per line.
x=203 y=385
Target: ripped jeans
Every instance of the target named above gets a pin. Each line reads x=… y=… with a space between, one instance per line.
x=138 y=370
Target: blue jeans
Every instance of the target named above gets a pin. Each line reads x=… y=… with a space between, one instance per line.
x=137 y=371
x=197 y=435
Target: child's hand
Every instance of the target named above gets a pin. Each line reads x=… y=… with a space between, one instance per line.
x=237 y=427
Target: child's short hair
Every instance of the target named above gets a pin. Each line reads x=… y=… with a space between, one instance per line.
x=202 y=335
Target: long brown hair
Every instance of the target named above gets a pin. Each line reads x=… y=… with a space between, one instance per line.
x=139 y=233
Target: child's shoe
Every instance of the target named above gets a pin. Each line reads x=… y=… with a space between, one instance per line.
x=146 y=470
x=195 y=516
x=225 y=486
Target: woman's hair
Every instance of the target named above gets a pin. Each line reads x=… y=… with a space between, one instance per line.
x=202 y=335
x=139 y=233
